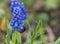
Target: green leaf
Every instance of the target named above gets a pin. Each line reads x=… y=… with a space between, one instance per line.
x=36 y=31
x=14 y=37
x=41 y=32
x=19 y=40
x=57 y=41
x=8 y=37
x=37 y=42
x=28 y=40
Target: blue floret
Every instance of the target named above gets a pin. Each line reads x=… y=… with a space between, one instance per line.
x=19 y=15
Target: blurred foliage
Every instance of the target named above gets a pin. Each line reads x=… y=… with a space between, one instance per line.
x=44 y=17
x=2 y=5
x=57 y=41
x=37 y=42
x=41 y=31
x=54 y=23
x=16 y=36
x=30 y=18
x=28 y=40
x=3 y=24
x=41 y=17
x=52 y=4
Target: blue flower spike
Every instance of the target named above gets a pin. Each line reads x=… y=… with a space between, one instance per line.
x=19 y=15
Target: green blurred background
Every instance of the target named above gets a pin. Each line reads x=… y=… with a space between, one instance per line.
x=46 y=10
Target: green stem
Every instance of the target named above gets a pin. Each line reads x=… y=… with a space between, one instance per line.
x=41 y=31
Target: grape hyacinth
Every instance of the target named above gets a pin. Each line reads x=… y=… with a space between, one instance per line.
x=19 y=15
